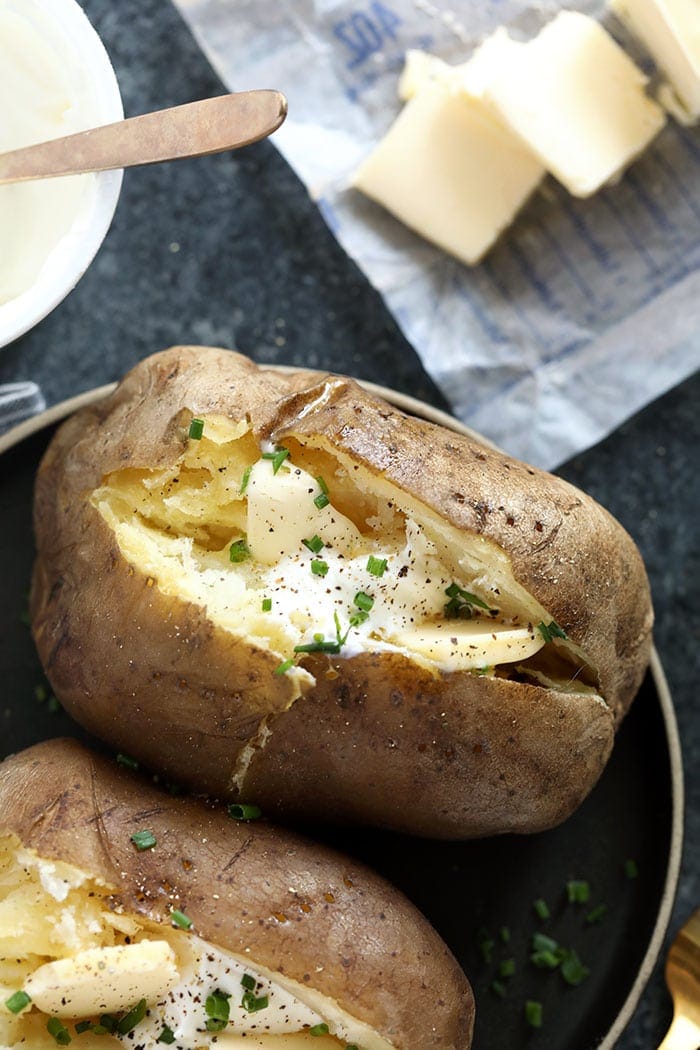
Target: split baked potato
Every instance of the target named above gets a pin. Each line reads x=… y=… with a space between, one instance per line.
x=131 y=918
x=279 y=588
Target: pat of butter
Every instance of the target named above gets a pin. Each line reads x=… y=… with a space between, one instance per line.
x=104 y=980
x=577 y=100
x=420 y=68
x=282 y=513
x=450 y=171
x=465 y=645
x=670 y=29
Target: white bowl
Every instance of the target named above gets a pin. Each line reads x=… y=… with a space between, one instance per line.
x=65 y=27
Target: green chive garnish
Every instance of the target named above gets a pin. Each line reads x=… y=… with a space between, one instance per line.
x=315 y=544
x=506 y=968
x=253 y=1003
x=167 y=1036
x=127 y=761
x=321 y=500
x=631 y=869
x=266 y=604
x=319 y=567
x=108 y=1023
x=322 y=485
x=83 y=1026
x=56 y=1028
x=143 y=840
x=40 y=693
x=550 y=630
x=248 y=982
x=376 y=566
x=245 y=479
x=285 y=666
x=196 y=428
x=278 y=457
x=486 y=948
x=358 y=618
x=53 y=705
x=541 y=908
x=533 y=1013
x=363 y=601
x=319 y=1029
x=498 y=988
x=319 y=645
x=505 y=934
x=542 y=943
x=545 y=960
x=243 y=811
x=218 y=1011
x=179 y=918
x=129 y=1021
x=17 y=1002
x=573 y=971
x=238 y=551
x=597 y=914
x=577 y=891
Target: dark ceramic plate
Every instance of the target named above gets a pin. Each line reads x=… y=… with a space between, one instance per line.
x=470 y=891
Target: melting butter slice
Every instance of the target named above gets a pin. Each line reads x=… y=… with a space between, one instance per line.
x=282 y=513
x=104 y=980
x=479 y=644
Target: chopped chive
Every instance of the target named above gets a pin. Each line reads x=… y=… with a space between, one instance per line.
x=551 y=630
x=545 y=960
x=243 y=811
x=285 y=666
x=499 y=988
x=319 y=1029
x=238 y=551
x=363 y=601
x=542 y=943
x=248 y=982
x=245 y=479
x=322 y=485
x=17 y=1002
x=40 y=693
x=253 y=1003
x=533 y=1013
x=278 y=457
x=486 y=948
x=358 y=618
x=319 y=567
x=573 y=971
x=108 y=1023
x=129 y=1021
x=631 y=869
x=266 y=604
x=218 y=1011
x=541 y=908
x=53 y=706
x=376 y=566
x=321 y=500
x=56 y=1028
x=455 y=591
x=167 y=1036
x=578 y=891
x=179 y=918
x=597 y=914
x=319 y=645
x=506 y=968
x=143 y=840
x=83 y=1026
x=127 y=761
x=315 y=544
x=504 y=934
x=196 y=428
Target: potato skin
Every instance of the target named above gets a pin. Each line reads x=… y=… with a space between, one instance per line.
x=283 y=902
x=154 y=677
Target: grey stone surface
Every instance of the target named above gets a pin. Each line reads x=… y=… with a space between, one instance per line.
x=229 y=250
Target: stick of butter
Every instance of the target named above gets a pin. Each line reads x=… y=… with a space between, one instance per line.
x=449 y=169
x=577 y=100
x=670 y=29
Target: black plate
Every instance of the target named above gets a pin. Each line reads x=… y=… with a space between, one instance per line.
x=471 y=889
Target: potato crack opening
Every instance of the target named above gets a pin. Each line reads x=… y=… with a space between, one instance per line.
x=298 y=549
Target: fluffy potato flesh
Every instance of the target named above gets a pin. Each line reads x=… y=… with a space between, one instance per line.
x=125 y=981
x=298 y=550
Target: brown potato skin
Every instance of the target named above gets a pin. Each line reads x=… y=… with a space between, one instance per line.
x=154 y=677
x=301 y=909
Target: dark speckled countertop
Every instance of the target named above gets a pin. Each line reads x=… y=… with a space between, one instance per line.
x=229 y=250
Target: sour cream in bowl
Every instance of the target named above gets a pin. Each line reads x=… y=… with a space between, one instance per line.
x=55 y=79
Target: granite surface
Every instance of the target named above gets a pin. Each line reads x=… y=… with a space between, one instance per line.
x=229 y=250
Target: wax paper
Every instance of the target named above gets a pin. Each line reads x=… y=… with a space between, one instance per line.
x=583 y=312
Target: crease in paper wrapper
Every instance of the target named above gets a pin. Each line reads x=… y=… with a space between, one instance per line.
x=584 y=311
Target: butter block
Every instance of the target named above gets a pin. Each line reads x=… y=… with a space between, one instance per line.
x=670 y=30
x=420 y=68
x=577 y=101
x=451 y=171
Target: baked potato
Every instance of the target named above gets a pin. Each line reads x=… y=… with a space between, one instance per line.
x=279 y=588
x=131 y=918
